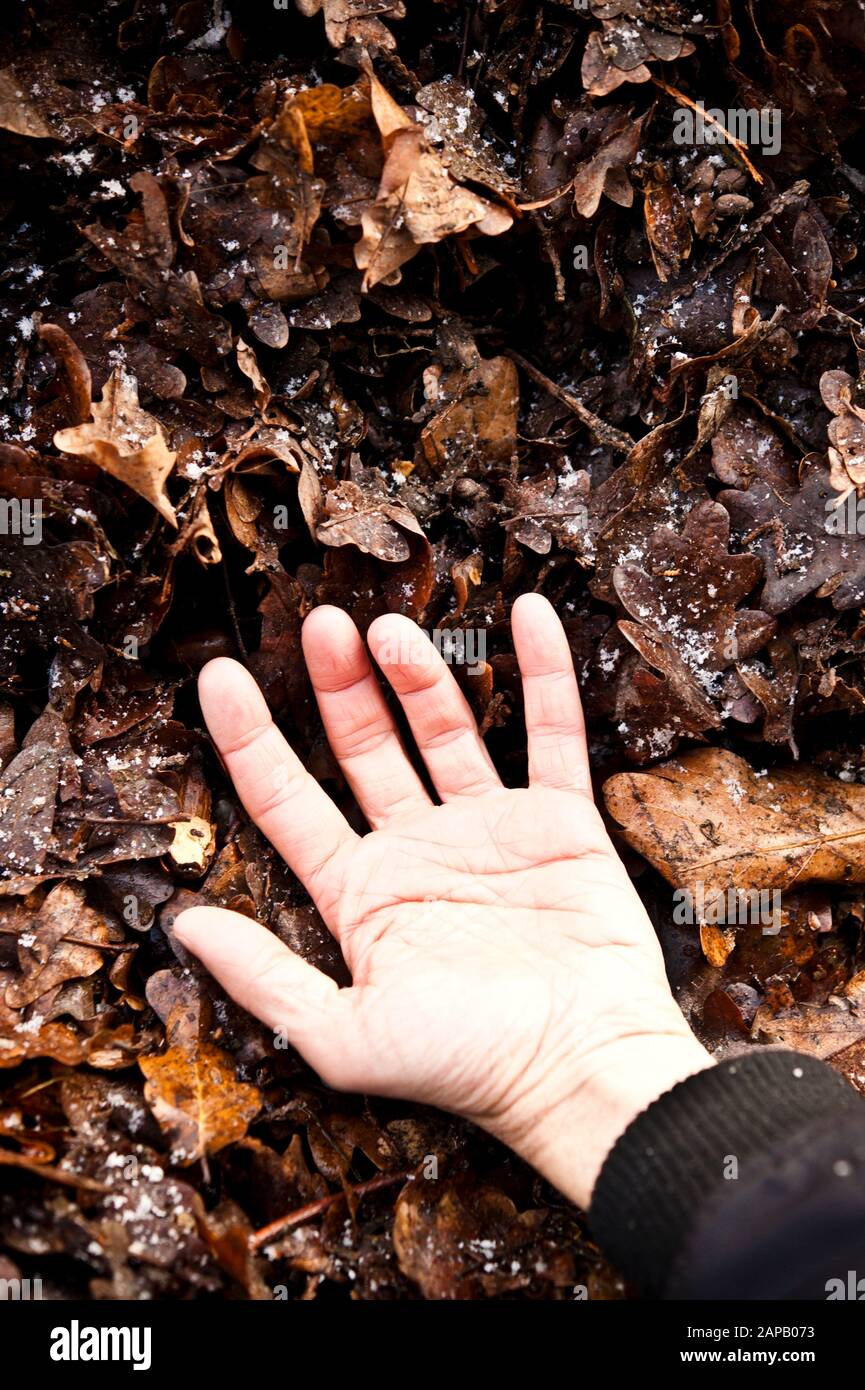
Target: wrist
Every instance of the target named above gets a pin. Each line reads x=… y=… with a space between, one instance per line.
x=569 y=1126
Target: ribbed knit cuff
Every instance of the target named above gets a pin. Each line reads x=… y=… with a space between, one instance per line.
x=670 y=1159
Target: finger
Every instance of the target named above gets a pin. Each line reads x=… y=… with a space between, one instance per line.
x=357 y=721
x=286 y=803
x=438 y=713
x=558 y=756
x=275 y=984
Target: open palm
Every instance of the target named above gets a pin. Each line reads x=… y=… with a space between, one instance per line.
x=500 y=958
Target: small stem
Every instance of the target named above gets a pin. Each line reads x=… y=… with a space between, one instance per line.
x=313 y=1209
x=607 y=434
x=731 y=139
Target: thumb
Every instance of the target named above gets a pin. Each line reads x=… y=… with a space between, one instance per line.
x=277 y=986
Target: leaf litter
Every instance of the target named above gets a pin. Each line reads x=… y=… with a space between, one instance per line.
x=407 y=309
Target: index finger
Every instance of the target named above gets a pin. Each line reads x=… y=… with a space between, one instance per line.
x=284 y=801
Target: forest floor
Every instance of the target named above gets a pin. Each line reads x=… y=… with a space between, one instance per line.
x=412 y=308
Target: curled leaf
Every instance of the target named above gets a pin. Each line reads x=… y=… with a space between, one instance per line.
x=125 y=441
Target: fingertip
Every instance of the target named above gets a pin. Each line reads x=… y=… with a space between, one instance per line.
x=191 y=925
x=256 y=968
x=396 y=641
x=531 y=608
x=335 y=655
x=214 y=673
x=540 y=640
x=385 y=624
x=212 y=932
x=325 y=624
x=230 y=699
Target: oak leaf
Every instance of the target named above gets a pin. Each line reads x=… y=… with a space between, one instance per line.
x=61 y=944
x=606 y=172
x=709 y=819
x=194 y=1093
x=18 y=111
x=125 y=441
x=801 y=538
x=417 y=201
x=846 y=431
x=355 y=21
x=688 y=628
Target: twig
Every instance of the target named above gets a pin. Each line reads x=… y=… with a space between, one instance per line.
x=313 y=1209
x=45 y=1170
x=738 y=144
x=232 y=611
x=464 y=52
x=120 y=948
x=607 y=434
x=742 y=238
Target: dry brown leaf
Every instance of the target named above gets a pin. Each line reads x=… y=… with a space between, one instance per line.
x=600 y=75
x=197 y=534
x=717 y=943
x=708 y=818
x=846 y=431
x=194 y=1093
x=667 y=227
x=347 y=21
x=125 y=441
x=18 y=112
x=369 y=520
x=477 y=415
x=607 y=170
x=248 y=364
x=819 y=1029
x=61 y=944
x=28 y=790
x=417 y=201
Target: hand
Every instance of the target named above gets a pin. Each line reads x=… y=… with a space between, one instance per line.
x=503 y=966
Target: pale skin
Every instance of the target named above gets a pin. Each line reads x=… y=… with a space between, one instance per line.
x=503 y=967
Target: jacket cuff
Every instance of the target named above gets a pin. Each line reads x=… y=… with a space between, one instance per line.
x=672 y=1158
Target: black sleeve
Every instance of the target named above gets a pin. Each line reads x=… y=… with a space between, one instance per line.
x=744 y=1181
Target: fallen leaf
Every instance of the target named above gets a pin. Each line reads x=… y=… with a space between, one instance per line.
x=18 y=112
x=356 y=21
x=794 y=533
x=606 y=172
x=417 y=201
x=846 y=431
x=475 y=422
x=193 y=1091
x=125 y=441
x=819 y=1029
x=28 y=789
x=707 y=818
x=61 y=944
x=359 y=512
